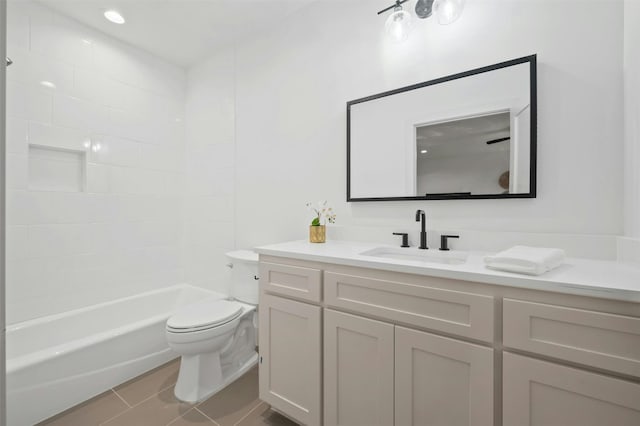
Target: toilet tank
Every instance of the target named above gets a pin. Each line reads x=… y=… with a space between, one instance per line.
x=244 y=275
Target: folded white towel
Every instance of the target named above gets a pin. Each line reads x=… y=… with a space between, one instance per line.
x=526 y=260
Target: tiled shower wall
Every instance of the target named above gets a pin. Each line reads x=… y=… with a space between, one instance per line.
x=210 y=173
x=95 y=166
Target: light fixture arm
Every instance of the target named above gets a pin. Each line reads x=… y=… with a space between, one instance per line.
x=396 y=4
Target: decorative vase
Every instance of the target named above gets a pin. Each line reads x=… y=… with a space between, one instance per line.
x=317 y=234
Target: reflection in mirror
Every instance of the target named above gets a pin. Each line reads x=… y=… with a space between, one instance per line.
x=471 y=135
x=464 y=156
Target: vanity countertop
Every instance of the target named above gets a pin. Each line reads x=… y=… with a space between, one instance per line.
x=586 y=277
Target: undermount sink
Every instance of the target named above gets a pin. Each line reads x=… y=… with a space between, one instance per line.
x=416 y=255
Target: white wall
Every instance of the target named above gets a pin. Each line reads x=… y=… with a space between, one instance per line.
x=632 y=117
x=121 y=235
x=210 y=153
x=293 y=83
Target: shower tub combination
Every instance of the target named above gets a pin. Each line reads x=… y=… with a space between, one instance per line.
x=56 y=362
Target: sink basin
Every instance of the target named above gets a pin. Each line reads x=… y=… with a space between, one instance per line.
x=417 y=255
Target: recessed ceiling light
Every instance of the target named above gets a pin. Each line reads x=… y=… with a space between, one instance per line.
x=424 y=151
x=48 y=84
x=114 y=16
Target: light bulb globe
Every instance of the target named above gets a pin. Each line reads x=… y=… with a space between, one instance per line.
x=398 y=25
x=448 y=11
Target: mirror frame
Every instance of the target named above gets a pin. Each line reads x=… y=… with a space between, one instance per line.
x=531 y=60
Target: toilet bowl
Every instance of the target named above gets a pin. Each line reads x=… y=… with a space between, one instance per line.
x=216 y=338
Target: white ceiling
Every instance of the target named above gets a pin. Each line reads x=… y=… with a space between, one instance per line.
x=180 y=31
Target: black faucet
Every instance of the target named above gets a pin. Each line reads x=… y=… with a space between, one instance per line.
x=421 y=217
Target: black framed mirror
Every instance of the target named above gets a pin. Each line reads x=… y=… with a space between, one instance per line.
x=470 y=135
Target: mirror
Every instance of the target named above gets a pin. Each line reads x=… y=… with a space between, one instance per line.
x=465 y=136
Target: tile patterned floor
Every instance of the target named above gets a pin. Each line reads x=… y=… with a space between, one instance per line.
x=148 y=400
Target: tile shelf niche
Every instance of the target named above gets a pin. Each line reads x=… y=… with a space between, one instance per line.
x=57 y=169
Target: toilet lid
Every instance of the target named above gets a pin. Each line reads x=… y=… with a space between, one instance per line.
x=204 y=314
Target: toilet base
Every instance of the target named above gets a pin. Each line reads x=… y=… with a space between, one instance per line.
x=202 y=376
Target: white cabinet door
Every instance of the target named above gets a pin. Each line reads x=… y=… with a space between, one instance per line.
x=541 y=393
x=358 y=371
x=290 y=357
x=441 y=381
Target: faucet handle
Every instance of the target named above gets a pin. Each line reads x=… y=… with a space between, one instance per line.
x=405 y=238
x=444 y=240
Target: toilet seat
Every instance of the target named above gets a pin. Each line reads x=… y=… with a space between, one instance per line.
x=203 y=316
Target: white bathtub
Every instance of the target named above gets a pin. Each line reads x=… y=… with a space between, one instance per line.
x=58 y=361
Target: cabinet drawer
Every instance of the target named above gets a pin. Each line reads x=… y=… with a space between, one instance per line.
x=598 y=339
x=464 y=314
x=293 y=281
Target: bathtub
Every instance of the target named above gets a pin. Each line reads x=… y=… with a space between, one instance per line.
x=56 y=362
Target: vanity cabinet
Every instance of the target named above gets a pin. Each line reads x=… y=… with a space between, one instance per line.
x=350 y=346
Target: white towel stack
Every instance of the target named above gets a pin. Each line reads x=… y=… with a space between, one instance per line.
x=526 y=260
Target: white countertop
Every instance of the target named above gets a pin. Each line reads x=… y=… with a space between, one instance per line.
x=596 y=278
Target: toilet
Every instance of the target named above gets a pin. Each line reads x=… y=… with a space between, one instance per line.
x=215 y=337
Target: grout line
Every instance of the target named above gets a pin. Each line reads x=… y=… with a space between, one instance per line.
x=181 y=416
x=123 y=400
x=214 y=422
x=155 y=394
x=117 y=415
x=250 y=411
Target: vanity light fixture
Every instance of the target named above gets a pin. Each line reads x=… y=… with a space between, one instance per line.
x=114 y=16
x=424 y=151
x=398 y=25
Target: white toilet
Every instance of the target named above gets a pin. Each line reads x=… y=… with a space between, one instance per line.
x=217 y=337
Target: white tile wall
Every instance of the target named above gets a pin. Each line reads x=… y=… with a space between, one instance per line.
x=122 y=234
x=210 y=172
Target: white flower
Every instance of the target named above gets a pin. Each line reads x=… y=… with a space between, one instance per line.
x=322 y=211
